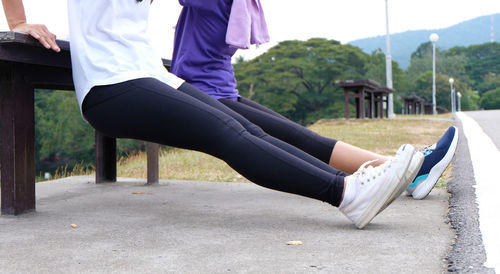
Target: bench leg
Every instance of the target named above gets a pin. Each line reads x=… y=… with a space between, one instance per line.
x=152 y=152
x=105 y=166
x=17 y=126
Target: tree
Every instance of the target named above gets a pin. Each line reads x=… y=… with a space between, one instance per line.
x=490 y=81
x=420 y=62
x=451 y=62
x=62 y=137
x=297 y=78
x=423 y=88
x=375 y=70
x=482 y=60
x=491 y=99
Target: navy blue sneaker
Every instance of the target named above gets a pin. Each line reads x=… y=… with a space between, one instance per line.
x=437 y=158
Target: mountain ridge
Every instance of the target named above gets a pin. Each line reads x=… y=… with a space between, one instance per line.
x=403 y=44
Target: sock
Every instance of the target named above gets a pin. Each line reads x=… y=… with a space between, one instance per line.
x=351 y=188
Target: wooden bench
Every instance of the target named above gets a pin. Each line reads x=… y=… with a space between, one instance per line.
x=25 y=65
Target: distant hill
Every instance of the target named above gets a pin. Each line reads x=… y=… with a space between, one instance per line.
x=403 y=44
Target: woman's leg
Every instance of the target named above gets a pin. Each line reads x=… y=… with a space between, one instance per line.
x=337 y=154
x=349 y=158
x=256 y=130
x=150 y=110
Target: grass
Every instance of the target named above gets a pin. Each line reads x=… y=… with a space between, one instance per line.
x=380 y=136
x=79 y=169
x=180 y=164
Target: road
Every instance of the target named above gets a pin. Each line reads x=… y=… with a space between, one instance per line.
x=473 y=200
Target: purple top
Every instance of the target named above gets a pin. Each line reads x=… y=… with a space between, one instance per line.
x=201 y=55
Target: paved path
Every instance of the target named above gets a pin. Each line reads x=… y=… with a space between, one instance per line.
x=477 y=184
x=489 y=120
x=198 y=227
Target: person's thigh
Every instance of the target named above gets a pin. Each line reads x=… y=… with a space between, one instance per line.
x=148 y=109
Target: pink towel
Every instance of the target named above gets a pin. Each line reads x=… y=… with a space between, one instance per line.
x=247 y=24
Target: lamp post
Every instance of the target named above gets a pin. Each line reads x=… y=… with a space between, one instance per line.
x=388 y=63
x=434 y=37
x=452 y=99
x=459 y=95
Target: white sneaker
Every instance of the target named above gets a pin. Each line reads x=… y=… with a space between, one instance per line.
x=416 y=163
x=376 y=186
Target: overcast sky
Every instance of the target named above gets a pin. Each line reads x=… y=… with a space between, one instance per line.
x=343 y=20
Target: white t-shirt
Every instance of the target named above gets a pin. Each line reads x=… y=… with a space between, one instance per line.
x=109 y=44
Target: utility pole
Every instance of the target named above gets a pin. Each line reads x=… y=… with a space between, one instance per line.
x=434 y=37
x=388 y=63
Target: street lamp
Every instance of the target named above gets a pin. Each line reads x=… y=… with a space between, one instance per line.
x=459 y=95
x=434 y=37
x=452 y=99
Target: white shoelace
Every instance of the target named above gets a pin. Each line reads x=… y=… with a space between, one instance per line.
x=368 y=173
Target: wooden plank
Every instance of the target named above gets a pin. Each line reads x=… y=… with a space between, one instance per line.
x=152 y=162
x=44 y=77
x=22 y=48
x=12 y=37
x=105 y=150
x=17 y=127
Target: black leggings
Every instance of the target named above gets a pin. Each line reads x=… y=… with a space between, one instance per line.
x=284 y=129
x=148 y=109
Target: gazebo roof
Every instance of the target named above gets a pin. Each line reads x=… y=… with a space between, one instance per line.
x=383 y=90
x=413 y=98
x=357 y=84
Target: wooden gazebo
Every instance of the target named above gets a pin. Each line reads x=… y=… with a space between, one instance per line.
x=439 y=109
x=365 y=91
x=414 y=105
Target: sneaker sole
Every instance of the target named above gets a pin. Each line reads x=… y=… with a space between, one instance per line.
x=373 y=209
x=418 y=156
x=424 y=188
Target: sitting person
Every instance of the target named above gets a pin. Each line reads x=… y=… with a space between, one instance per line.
x=124 y=91
x=208 y=34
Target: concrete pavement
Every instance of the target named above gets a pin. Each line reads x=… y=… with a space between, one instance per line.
x=199 y=227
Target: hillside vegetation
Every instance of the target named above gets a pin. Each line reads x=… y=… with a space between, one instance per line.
x=472 y=32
